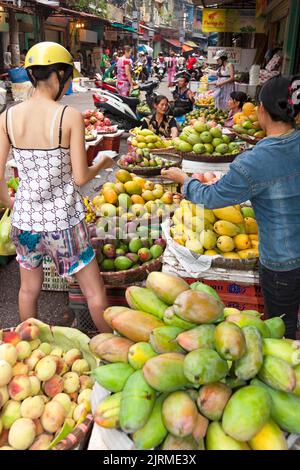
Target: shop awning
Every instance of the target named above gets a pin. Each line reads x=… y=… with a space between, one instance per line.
x=191 y=44
x=124 y=27
x=75 y=13
x=12 y=6
x=186 y=48
x=173 y=42
x=146 y=27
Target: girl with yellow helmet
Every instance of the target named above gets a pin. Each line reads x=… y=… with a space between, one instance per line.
x=47 y=141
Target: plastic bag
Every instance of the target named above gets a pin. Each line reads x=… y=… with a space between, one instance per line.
x=7 y=247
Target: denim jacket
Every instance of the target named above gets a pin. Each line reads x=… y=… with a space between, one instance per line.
x=268 y=176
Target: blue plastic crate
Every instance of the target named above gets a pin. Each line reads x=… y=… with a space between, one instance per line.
x=18 y=75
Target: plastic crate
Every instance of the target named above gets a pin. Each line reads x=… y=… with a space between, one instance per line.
x=52 y=281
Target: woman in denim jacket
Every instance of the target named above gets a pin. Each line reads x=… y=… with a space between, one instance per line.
x=268 y=176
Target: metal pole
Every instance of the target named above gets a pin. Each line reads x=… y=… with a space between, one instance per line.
x=14 y=38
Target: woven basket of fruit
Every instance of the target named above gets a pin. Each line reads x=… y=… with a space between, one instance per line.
x=121 y=278
x=246 y=138
x=209 y=158
x=155 y=163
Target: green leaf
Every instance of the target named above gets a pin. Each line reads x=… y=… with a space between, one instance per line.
x=65 y=430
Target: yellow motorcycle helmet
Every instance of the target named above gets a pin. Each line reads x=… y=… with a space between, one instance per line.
x=49 y=53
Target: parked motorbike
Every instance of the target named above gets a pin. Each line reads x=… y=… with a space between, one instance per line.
x=160 y=70
x=121 y=110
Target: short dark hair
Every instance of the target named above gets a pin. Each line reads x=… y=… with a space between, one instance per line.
x=280 y=97
x=40 y=73
x=239 y=96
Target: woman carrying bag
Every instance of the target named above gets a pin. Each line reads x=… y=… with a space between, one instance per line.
x=47 y=141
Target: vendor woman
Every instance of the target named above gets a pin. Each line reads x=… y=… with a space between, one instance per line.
x=268 y=176
x=160 y=122
x=235 y=103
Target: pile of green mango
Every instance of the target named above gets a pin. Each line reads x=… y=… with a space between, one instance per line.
x=185 y=373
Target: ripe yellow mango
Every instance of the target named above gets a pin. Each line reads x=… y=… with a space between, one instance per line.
x=250 y=253
x=270 y=437
x=223 y=227
x=242 y=242
x=230 y=213
x=225 y=244
x=231 y=255
x=251 y=225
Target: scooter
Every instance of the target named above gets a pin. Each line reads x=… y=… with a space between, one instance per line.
x=100 y=82
x=121 y=110
x=160 y=70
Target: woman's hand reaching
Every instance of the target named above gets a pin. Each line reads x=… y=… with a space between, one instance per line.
x=174 y=174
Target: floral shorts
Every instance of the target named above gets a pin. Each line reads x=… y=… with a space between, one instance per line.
x=69 y=249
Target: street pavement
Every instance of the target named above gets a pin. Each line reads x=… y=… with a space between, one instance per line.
x=53 y=306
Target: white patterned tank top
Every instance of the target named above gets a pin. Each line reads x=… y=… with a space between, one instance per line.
x=48 y=199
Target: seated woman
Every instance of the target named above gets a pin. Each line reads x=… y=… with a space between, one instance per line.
x=183 y=97
x=235 y=103
x=160 y=122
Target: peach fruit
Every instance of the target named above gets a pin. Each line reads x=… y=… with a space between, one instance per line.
x=22 y=434
x=5 y=372
x=71 y=356
x=85 y=395
x=23 y=349
x=57 y=351
x=45 y=368
x=38 y=426
x=32 y=407
x=71 y=382
x=4 y=397
x=11 y=337
x=28 y=331
x=64 y=400
x=46 y=348
x=86 y=382
x=8 y=353
x=53 y=416
x=72 y=408
x=35 y=385
x=42 y=442
x=19 y=387
x=20 y=368
x=53 y=386
x=10 y=413
x=4 y=437
x=34 y=344
x=80 y=366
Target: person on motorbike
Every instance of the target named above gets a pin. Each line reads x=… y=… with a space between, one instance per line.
x=183 y=97
x=160 y=122
x=181 y=62
x=160 y=64
x=105 y=61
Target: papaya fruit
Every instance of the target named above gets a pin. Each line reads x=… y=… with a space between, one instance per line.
x=204 y=366
x=113 y=377
x=165 y=372
x=139 y=353
x=114 y=349
x=179 y=443
x=270 y=437
x=171 y=319
x=212 y=400
x=235 y=382
x=200 y=429
x=98 y=339
x=278 y=374
x=166 y=286
x=246 y=412
x=201 y=287
x=285 y=408
x=135 y=325
x=250 y=320
x=141 y=298
x=197 y=307
x=162 y=339
x=216 y=439
x=137 y=402
x=230 y=311
x=203 y=336
x=248 y=366
x=154 y=432
x=276 y=327
x=179 y=414
x=230 y=341
x=285 y=349
x=108 y=411
x=112 y=312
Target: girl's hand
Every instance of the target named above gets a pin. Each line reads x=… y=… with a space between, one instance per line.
x=174 y=174
x=105 y=162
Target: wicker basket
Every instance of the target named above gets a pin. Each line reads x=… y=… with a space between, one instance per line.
x=130 y=276
x=237 y=264
x=155 y=170
x=52 y=281
x=246 y=138
x=207 y=158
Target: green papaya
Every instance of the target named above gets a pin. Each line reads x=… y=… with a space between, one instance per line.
x=108 y=411
x=171 y=319
x=276 y=327
x=246 y=412
x=255 y=313
x=216 y=439
x=230 y=341
x=285 y=349
x=165 y=372
x=204 y=366
x=114 y=376
x=139 y=353
x=163 y=339
x=137 y=402
x=154 y=432
x=141 y=298
x=250 y=320
x=166 y=286
x=230 y=311
x=285 y=408
x=179 y=443
x=235 y=382
x=277 y=374
x=135 y=325
x=179 y=414
x=203 y=336
x=201 y=287
x=248 y=366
